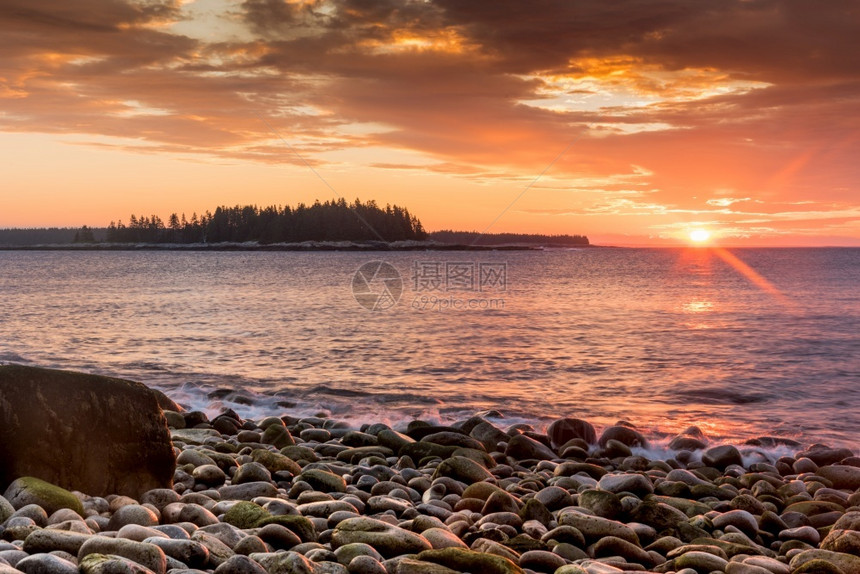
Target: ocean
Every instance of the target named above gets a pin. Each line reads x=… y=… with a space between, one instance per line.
x=741 y=343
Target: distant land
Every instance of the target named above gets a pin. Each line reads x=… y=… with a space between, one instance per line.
x=332 y=225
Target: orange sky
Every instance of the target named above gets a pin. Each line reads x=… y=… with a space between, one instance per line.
x=631 y=122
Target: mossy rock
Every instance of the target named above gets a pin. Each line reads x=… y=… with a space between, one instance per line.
x=275 y=462
x=410 y=566
x=246 y=514
x=463 y=560
x=29 y=490
x=298 y=453
x=818 y=566
x=6 y=510
x=278 y=435
x=324 y=481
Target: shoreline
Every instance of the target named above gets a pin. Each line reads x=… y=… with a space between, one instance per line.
x=303 y=246
x=285 y=494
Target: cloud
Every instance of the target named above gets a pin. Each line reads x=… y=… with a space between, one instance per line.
x=754 y=96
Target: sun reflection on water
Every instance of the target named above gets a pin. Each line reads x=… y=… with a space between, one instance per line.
x=698 y=306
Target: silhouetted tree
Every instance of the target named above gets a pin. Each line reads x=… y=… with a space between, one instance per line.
x=322 y=221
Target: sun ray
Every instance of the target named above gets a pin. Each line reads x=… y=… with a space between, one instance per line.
x=752 y=275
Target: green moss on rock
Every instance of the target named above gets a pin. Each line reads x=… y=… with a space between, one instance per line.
x=246 y=515
x=29 y=490
x=463 y=560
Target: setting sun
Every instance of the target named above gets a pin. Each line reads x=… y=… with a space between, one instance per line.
x=699 y=235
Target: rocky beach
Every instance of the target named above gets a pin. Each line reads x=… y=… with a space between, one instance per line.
x=283 y=495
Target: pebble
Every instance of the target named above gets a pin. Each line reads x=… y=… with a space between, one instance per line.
x=315 y=496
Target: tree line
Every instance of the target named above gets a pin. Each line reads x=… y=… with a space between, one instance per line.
x=327 y=221
x=475 y=238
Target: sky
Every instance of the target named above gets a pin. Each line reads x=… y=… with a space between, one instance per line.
x=633 y=122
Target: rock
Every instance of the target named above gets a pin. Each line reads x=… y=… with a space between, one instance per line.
x=500 y=501
x=240 y=565
x=422 y=449
x=132 y=514
x=286 y=563
x=6 y=509
x=302 y=526
x=846 y=541
x=442 y=538
x=806 y=534
x=50 y=540
x=325 y=508
x=323 y=481
x=740 y=519
x=660 y=516
x=554 y=497
x=521 y=447
x=387 y=539
x=393 y=439
x=845 y=562
x=251 y=472
x=742 y=568
x=193 y=436
x=449 y=438
x=245 y=514
x=209 y=474
x=198 y=515
x=823 y=456
x=366 y=565
x=278 y=436
x=104 y=564
x=249 y=545
x=563 y=430
x=279 y=537
x=818 y=566
x=47 y=421
x=842 y=477
x=624 y=435
x=637 y=484
x=248 y=491
x=29 y=490
x=612 y=546
x=691 y=439
x=46 y=564
x=147 y=555
x=411 y=566
x=771 y=564
x=722 y=456
x=139 y=533
x=541 y=561
x=463 y=469
x=275 y=462
x=219 y=552
x=489 y=435
x=461 y=560
x=849 y=521
x=701 y=562
x=595 y=527
x=346 y=553
x=188 y=552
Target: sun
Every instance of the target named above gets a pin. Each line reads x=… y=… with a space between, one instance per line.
x=699 y=235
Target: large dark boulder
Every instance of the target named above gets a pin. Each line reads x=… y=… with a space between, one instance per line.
x=82 y=432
